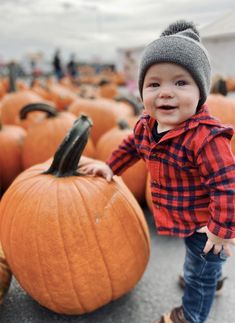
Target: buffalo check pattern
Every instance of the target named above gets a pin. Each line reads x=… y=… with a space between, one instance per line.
x=192 y=171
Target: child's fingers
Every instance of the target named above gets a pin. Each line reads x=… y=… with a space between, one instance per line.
x=208 y=246
x=202 y=229
x=227 y=250
x=109 y=177
x=217 y=249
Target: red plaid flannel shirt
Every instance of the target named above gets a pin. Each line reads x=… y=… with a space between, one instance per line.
x=192 y=173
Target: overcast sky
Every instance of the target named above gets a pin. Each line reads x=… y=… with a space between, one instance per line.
x=94 y=28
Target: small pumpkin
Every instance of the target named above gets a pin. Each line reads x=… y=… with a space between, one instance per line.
x=73 y=242
x=106 y=89
x=135 y=105
x=104 y=113
x=135 y=176
x=12 y=103
x=5 y=275
x=39 y=88
x=223 y=108
x=11 y=143
x=44 y=137
x=230 y=84
x=148 y=196
x=60 y=95
x=15 y=99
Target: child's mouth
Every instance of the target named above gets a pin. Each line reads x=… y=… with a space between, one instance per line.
x=166 y=107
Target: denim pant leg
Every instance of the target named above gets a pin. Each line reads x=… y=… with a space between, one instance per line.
x=201 y=273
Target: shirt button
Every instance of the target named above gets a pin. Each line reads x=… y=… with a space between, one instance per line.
x=158 y=206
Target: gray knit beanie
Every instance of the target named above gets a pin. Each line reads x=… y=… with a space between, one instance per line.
x=180 y=44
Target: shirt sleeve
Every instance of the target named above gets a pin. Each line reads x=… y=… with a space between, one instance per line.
x=124 y=156
x=217 y=170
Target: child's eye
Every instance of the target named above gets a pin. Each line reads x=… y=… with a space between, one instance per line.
x=181 y=83
x=153 y=84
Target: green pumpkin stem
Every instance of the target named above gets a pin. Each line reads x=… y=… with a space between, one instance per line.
x=66 y=158
x=123 y=124
x=12 y=77
x=32 y=107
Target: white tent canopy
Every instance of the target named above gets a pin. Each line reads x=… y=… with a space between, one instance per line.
x=219 y=39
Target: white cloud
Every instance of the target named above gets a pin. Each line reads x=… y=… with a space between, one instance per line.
x=93 y=28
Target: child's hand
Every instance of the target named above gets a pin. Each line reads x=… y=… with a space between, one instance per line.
x=216 y=242
x=97 y=168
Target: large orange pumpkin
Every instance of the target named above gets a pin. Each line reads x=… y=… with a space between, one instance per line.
x=73 y=242
x=135 y=176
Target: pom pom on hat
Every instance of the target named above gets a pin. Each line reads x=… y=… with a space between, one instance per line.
x=179 y=43
x=178 y=26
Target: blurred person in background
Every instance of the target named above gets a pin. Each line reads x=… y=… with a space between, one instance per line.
x=57 y=65
x=72 y=69
x=130 y=73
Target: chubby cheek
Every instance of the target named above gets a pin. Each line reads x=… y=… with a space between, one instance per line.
x=148 y=102
x=190 y=106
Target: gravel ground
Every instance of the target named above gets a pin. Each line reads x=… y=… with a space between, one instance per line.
x=156 y=293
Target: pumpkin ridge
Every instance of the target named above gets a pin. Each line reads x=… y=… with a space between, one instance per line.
x=33 y=187
x=123 y=226
x=13 y=216
x=16 y=192
x=140 y=222
x=130 y=243
x=63 y=238
x=37 y=184
x=95 y=234
x=117 y=217
x=85 y=206
x=38 y=253
x=75 y=208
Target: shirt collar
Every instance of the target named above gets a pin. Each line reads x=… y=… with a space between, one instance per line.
x=201 y=117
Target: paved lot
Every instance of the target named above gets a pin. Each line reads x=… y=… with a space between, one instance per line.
x=156 y=293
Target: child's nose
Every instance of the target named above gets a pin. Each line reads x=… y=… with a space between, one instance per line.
x=165 y=92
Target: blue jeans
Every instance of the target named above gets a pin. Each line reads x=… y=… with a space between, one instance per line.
x=201 y=273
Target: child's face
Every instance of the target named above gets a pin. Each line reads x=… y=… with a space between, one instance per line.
x=170 y=95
